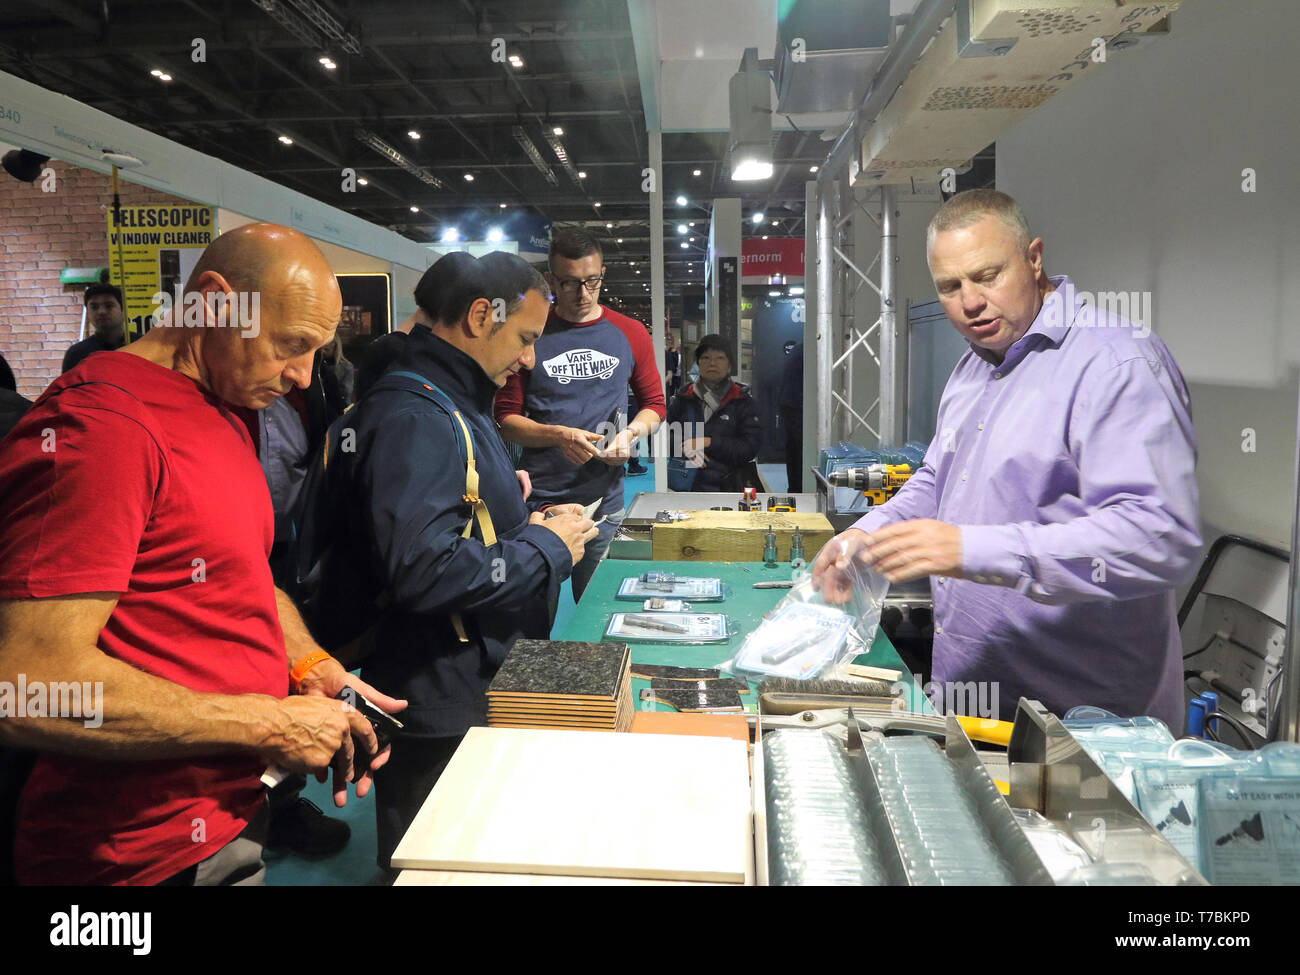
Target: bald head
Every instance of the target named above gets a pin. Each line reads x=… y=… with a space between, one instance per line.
x=263 y=257
x=268 y=301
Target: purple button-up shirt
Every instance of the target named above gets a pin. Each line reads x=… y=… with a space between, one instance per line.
x=1070 y=469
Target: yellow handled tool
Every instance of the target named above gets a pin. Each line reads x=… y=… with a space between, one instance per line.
x=986 y=730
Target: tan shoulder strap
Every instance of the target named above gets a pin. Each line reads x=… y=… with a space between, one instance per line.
x=478 y=512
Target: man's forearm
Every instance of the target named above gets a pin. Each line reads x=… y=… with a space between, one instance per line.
x=518 y=429
x=103 y=707
x=128 y=715
x=646 y=422
x=298 y=640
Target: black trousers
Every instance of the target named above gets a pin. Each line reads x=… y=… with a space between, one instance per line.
x=403 y=784
x=793 y=451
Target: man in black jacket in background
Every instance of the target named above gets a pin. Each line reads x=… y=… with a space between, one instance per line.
x=453 y=604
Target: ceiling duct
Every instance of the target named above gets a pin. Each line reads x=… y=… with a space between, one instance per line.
x=992 y=63
x=827 y=52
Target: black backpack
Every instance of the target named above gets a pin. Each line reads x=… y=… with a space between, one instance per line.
x=326 y=574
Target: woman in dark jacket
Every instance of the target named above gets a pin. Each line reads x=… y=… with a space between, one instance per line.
x=732 y=429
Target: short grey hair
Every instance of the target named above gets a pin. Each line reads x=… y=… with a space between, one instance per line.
x=971 y=206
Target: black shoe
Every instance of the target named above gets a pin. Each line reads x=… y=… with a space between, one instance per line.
x=302 y=828
x=636 y=469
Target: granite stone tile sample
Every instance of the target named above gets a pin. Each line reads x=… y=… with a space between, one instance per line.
x=562 y=668
x=651 y=671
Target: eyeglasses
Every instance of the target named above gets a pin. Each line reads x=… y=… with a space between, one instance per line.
x=571 y=285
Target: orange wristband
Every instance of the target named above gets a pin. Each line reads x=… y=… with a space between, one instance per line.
x=305 y=664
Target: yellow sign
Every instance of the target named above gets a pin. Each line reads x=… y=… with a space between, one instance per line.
x=157 y=249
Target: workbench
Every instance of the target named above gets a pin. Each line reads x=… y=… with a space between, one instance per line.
x=745 y=606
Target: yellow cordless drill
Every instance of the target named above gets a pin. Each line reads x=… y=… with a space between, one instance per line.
x=879 y=482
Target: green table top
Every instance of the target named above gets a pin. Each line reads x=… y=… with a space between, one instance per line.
x=744 y=605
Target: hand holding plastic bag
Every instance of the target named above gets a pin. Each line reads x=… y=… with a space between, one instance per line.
x=810 y=632
x=839 y=566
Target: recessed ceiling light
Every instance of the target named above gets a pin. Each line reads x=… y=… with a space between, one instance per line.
x=764 y=237
x=758 y=218
x=557 y=130
x=685 y=245
x=362 y=181
x=502 y=205
x=469 y=177
x=450 y=235
x=812 y=169
x=596 y=204
x=413 y=134
x=495 y=235
x=515 y=61
x=415 y=209
x=609 y=226
x=681 y=228
x=681 y=201
x=286 y=140
x=582 y=174
x=620 y=240
x=691 y=224
x=691 y=239
x=696 y=173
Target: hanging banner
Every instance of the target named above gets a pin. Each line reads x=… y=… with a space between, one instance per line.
x=761 y=259
x=154 y=252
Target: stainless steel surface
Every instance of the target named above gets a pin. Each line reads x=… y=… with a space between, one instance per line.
x=1051 y=772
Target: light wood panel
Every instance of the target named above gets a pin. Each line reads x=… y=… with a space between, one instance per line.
x=598 y=804
x=737 y=536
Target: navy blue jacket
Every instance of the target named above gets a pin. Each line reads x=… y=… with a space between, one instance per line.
x=404 y=486
x=735 y=431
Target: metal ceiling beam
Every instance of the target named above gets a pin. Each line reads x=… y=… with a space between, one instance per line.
x=56 y=42
x=405 y=116
x=419 y=93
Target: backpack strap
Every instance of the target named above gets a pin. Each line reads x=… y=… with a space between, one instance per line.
x=478 y=507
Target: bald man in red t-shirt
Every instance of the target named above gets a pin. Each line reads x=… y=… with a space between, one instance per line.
x=136 y=527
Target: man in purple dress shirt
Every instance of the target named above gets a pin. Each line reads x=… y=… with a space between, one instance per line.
x=1057 y=507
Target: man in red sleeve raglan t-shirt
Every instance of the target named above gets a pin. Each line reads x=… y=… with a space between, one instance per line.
x=577 y=392
x=135 y=526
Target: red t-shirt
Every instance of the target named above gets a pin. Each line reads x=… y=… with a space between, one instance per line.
x=128 y=477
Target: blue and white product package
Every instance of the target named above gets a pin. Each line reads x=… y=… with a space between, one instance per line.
x=666 y=585
x=669 y=628
x=1167 y=788
x=1250 y=830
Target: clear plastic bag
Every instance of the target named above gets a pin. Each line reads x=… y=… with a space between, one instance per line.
x=805 y=636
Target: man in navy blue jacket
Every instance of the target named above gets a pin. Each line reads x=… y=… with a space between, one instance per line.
x=454 y=604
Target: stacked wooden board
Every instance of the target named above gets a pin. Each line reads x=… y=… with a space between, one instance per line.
x=563 y=684
x=738 y=536
x=589 y=804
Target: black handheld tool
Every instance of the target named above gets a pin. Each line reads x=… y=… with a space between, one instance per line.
x=385 y=726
